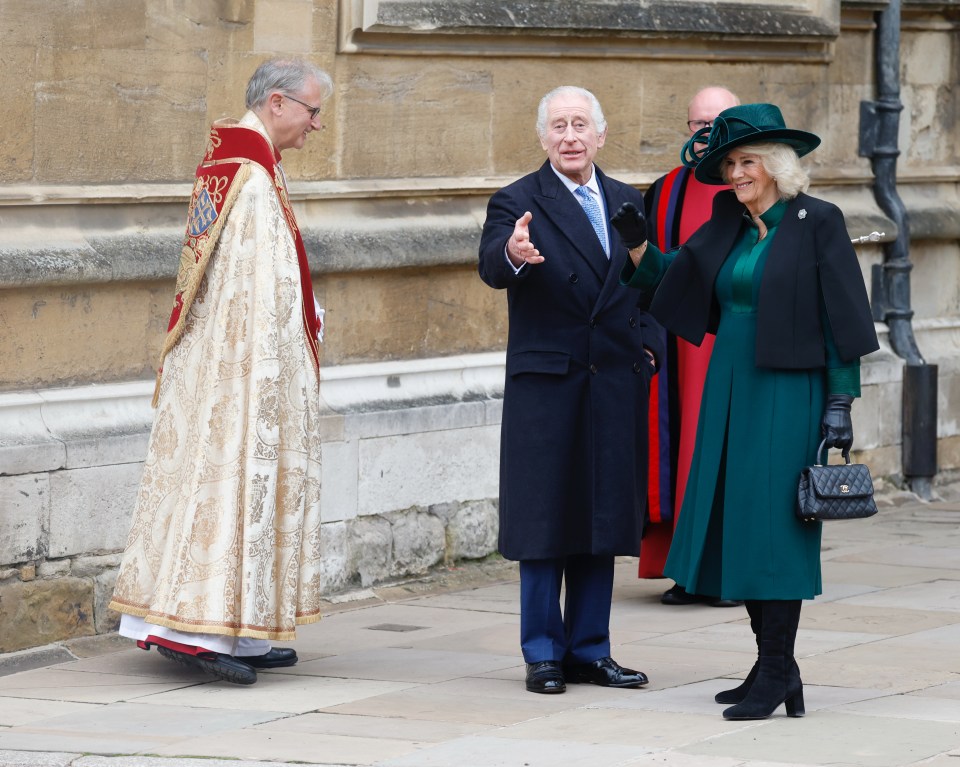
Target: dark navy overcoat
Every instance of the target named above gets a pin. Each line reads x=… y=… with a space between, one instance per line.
x=573 y=451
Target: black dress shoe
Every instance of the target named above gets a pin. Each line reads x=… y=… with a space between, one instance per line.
x=605 y=672
x=725 y=602
x=278 y=657
x=224 y=667
x=680 y=596
x=545 y=676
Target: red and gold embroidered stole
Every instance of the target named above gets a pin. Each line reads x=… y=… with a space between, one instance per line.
x=231 y=150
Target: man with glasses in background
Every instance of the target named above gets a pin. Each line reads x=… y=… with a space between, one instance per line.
x=676 y=205
x=223 y=556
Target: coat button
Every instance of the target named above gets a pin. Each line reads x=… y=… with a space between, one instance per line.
x=593 y=322
x=637 y=367
x=574 y=279
x=593 y=369
x=633 y=322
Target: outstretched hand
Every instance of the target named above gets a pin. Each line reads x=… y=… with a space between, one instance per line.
x=519 y=248
x=631 y=225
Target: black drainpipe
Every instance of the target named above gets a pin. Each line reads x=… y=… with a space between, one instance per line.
x=890 y=298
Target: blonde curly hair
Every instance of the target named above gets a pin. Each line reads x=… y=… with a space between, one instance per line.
x=780 y=161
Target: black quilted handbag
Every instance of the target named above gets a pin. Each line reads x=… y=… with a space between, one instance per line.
x=841 y=491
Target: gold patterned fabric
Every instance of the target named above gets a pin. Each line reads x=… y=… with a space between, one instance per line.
x=226 y=530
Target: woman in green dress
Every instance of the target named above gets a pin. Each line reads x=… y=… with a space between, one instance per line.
x=774 y=275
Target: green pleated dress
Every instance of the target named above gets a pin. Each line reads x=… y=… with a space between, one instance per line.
x=737 y=536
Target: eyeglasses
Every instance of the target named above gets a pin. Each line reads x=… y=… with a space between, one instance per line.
x=696 y=125
x=314 y=111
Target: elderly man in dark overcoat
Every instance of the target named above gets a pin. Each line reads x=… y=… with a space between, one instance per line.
x=580 y=357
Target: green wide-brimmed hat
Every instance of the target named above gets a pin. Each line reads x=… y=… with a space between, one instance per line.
x=736 y=126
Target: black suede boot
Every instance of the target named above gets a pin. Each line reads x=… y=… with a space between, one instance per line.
x=737 y=694
x=774 y=683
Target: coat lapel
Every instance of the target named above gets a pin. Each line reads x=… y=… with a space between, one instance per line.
x=569 y=218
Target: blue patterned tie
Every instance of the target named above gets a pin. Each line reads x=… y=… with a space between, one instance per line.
x=593 y=213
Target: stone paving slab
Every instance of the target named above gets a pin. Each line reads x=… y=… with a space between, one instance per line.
x=406 y=676
x=403 y=664
x=501 y=752
x=277 y=692
x=835 y=739
x=16 y=712
x=284 y=747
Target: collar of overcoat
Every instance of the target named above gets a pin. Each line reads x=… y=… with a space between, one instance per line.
x=568 y=216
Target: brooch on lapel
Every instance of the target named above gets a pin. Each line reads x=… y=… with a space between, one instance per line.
x=802 y=214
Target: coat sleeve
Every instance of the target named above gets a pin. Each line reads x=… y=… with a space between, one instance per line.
x=843 y=289
x=503 y=210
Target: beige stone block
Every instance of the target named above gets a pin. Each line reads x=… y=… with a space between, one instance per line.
x=338 y=493
x=41 y=612
x=92 y=566
x=106 y=495
x=53 y=568
x=86 y=333
x=24 y=513
x=17 y=118
x=927 y=55
x=134 y=115
x=227 y=76
x=325 y=19
x=189 y=26
x=853 y=58
x=409 y=314
x=105 y=619
x=948 y=453
x=883 y=461
x=283 y=26
x=841 y=138
x=931 y=115
x=935 y=280
x=409 y=116
x=802 y=102
x=103 y=24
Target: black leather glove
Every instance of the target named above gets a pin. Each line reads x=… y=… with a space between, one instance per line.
x=631 y=225
x=836 y=427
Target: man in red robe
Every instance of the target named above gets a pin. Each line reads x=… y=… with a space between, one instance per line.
x=676 y=205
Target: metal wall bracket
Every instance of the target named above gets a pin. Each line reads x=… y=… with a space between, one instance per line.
x=869 y=126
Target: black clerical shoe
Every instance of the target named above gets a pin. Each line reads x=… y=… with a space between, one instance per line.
x=545 y=676
x=717 y=602
x=605 y=672
x=224 y=667
x=680 y=596
x=278 y=657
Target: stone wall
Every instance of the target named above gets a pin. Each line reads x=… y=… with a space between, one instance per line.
x=433 y=110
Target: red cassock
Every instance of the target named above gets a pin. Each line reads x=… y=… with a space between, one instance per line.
x=676 y=206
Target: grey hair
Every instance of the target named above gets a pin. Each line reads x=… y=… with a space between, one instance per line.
x=780 y=161
x=288 y=76
x=595 y=110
